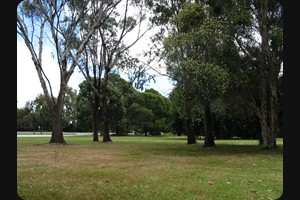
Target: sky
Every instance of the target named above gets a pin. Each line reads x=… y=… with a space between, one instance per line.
x=28 y=84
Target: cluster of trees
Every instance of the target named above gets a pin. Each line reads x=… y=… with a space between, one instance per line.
x=90 y=35
x=225 y=51
x=224 y=56
x=130 y=111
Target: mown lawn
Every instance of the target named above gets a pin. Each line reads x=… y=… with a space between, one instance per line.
x=138 y=167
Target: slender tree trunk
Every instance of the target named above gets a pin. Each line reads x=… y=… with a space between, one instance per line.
x=145 y=130
x=118 y=132
x=273 y=107
x=57 y=133
x=189 y=124
x=209 y=138
x=96 y=120
x=106 y=137
x=267 y=117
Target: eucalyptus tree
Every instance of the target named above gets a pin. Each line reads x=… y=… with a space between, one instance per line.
x=257 y=29
x=269 y=18
x=192 y=52
x=259 y=36
x=91 y=64
x=56 y=23
x=108 y=50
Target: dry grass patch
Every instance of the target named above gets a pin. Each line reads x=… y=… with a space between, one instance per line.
x=146 y=168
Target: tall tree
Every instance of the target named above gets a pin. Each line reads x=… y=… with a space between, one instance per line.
x=262 y=45
x=269 y=18
x=122 y=29
x=192 y=52
x=57 y=23
x=91 y=64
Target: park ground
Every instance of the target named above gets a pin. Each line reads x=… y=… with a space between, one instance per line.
x=142 y=168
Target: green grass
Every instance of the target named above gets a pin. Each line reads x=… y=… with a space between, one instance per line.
x=137 y=167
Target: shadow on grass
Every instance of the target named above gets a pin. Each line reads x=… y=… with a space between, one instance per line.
x=195 y=150
x=165 y=146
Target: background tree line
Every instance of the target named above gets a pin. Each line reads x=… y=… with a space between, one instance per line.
x=130 y=110
x=141 y=112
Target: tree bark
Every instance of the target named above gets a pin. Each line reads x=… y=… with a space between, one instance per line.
x=209 y=138
x=96 y=120
x=273 y=98
x=105 y=105
x=267 y=118
x=269 y=83
x=57 y=134
x=189 y=123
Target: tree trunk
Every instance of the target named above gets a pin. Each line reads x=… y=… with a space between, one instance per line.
x=273 y=98
x=106 y=137
x=189 y=123
x=57 y=133
x=145 y=130
x=96 y=120
x=118 y=132
x=209 y=138
x=95 y=125
x=269 y=81
x=266 y=118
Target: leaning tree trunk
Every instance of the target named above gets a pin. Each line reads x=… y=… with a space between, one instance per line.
x=57 y=133
x=209 y=138
x=189 y=124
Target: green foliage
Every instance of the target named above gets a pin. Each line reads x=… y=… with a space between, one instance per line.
x=162 y=13
x=139 y=117
x=192 y=53
x=190 y=17
x=41 y=110
x=25 y=120
x=203 y=81
x=69 y=115
x=84 y=119
x=117 y=109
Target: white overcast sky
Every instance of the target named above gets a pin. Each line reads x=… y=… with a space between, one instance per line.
x=28 y=84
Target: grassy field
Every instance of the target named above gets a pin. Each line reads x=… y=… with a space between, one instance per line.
x=137 y=167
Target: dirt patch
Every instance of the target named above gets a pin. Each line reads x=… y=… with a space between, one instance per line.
x=54 y=144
